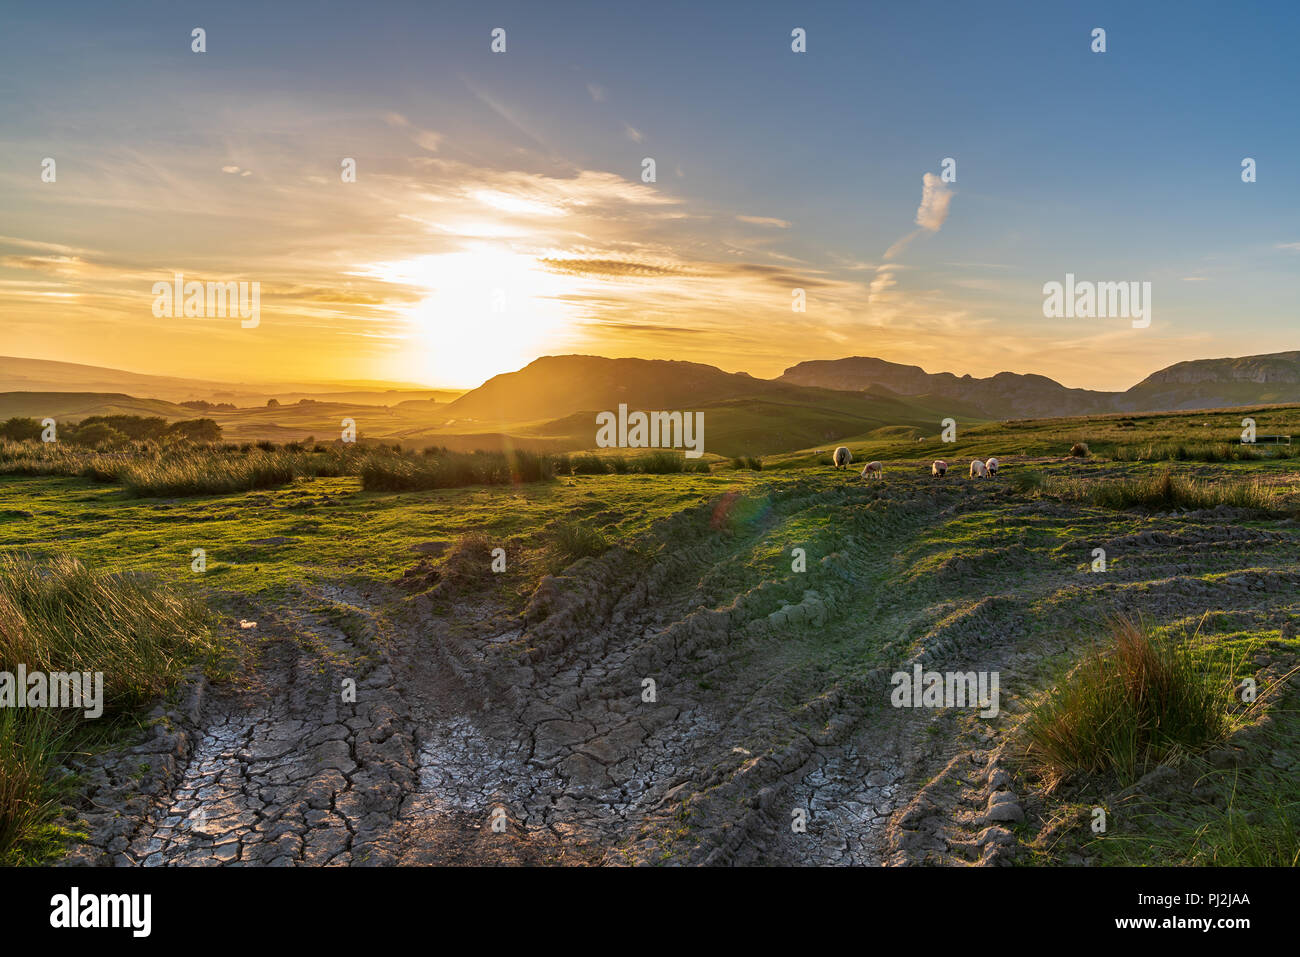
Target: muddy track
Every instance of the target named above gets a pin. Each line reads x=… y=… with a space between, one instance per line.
x=769 y=695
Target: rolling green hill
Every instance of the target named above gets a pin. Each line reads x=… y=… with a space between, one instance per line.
x=78 y=405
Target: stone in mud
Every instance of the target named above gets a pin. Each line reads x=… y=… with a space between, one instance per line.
x=1004 y=812
x=994 y=835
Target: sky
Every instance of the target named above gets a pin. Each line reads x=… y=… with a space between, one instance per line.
x=500 y=210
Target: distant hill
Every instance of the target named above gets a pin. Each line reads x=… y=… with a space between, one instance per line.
x=555 y=386
x=1200 y=384
x=552 y=402
x=78 y=405
x=1210 y=383
x=45 y=375
x=556 y=398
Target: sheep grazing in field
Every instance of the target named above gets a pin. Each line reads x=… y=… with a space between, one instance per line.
x=939 y=467
x=991 y=466
x=873 y=470
x=842 y=457
x=978 y=469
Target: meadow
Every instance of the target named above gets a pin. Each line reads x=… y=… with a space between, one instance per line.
x=770 y=666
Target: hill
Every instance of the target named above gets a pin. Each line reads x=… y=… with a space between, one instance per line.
x=78 y=405
x=44 y=375
x=1199 y=384
x=556 y=398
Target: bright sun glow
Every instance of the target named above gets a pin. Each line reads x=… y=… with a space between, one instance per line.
x=487 y=310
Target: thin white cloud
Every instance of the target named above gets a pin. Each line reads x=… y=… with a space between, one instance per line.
x=930 y=215
x=428 y=139
x=935 y=197
x=765 y=221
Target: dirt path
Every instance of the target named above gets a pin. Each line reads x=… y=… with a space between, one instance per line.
x=769 y=698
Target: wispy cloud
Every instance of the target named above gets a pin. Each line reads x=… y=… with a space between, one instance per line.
x=930 y=215
x=935 y=197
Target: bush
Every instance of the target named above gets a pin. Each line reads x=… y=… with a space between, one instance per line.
x=21 y=429
x=94 y=435
x=1079 y=450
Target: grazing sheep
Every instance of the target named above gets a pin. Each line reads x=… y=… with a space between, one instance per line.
x=939 y=467
x=842 y=457
x=978 y=469
x=873 y=470
x=991 y=466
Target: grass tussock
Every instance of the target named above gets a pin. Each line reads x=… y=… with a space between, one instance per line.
x=574 y=541
x=1135 y=703
x=1167 y=490
x=440 y=468
x=1201 y=452
x=62 y=616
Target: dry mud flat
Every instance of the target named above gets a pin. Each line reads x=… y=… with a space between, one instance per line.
x=688 y=699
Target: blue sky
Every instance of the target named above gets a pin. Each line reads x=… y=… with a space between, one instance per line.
x=773 y=168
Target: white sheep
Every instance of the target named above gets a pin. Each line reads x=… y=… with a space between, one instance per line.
x=873 y=470
x=978 y=469
x=939 y=467
x=991 y=466
x=842 y=457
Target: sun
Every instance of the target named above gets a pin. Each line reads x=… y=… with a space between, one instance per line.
x=488 y=309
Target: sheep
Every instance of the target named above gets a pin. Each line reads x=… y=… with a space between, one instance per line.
x=991 y=466
x=842 y=457
x=873 y=470
x=978 y=469
x=939 y=467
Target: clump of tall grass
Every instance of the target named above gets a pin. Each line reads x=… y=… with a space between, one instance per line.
x=588 y=464
x=62 y=616
x=1027 y=480
x=574 y=541
x=210 y=474
x=1080 y=450
x=1166 y=490
x=659 y=463
x=444 y=469
x=1199 y=452
x=747 y=462
x=31 y=743
x=1137 y=702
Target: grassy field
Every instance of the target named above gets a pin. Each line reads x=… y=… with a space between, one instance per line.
x=1202 y=548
